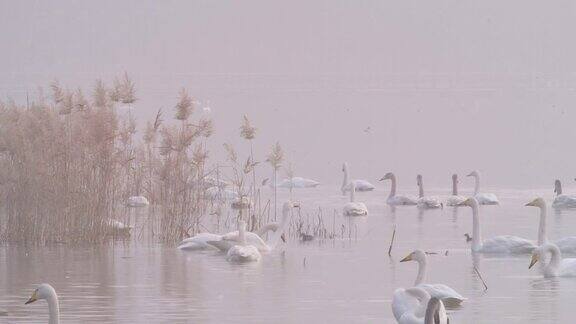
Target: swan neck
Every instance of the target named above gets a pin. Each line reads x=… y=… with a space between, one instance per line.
x=275 y=239
x=454 y=187
x=476 y=239
x=476 y=185
x=558 y=188
x=542 y=227
x=242 y=235
x=420 y=190
x=555 y=258
x=392 y=186
x=421 y=272
x=53 y=309
x=352 y=192
x=345 y=180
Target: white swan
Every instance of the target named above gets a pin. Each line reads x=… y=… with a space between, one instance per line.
x=448 y=295
x=216 y=192
x=202 y=241
x=226 y=241
x=482 y=198
x=47 y=292
x=392 y=198
x=505 y=244
x=556 y=267
x=117 y=227
x=426 y=202
x=297 y=182
x=361 y=185
x=354 y=208
x=566 y=244
x=562 y=201
x=242 y=252
x=411 y=306
x=455 y=199
x=137 y=201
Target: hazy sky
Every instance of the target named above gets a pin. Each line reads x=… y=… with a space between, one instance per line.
x=445 y=86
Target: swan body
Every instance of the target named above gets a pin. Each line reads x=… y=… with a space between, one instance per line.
x=448 y=295
x=397 y=200
x=566 y=244
x=117 y=227
x=298 y=182
x=137 y=201
x=455 y=199
x=360 y=185
x=556 y=267
x=426 y=202
x=199 y=241
x=482 y=198
x=242 y=252
x=562 y=201
x=221 y=193
x=417 y=307
x=353 y=208
x=47 y=292
x=505 y=244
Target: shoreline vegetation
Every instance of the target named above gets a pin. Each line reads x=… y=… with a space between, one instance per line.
x=70 y=162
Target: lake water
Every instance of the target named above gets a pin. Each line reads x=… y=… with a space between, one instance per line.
x=344 y=280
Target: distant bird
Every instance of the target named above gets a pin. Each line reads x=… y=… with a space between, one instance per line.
x=304 y=237
x=468 y=237
x=265 y=181
x=367 y=129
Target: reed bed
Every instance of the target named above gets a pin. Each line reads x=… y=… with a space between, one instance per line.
x=69 y=163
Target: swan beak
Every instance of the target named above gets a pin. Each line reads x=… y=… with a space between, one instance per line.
x=533 y=261
x=407 y=258
x=32 y=299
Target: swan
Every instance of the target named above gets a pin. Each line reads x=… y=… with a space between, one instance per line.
x=499 y=244
x=201 y=241
x=137 y=201
x=353 y=208
x=562 y=201
x=415 y=306
x=361 y=185
x=216 y=192
x=423 y=201
x=566 y=244
x=47 y=292
x=556 y=267
x=483 y=198
x=117 y=227
x=226 y=241
x=297 y=182
x=454 y=199
x=392 y=198
x=242 y=252
x=448 y=295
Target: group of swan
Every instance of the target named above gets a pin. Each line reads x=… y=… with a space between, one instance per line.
x=227 y=242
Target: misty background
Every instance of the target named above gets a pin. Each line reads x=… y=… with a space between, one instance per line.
x=411 y=87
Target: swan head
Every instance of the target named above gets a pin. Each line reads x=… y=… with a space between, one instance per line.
x=535 y=256
x=387 y=176
x=344 y=166
x=474 y=174
x=537 y=202
x=289 y=205
x=470 y=202
x=417 y=255
x=43 y=291
x=558 y=186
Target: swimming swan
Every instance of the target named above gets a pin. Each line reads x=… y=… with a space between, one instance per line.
x=361 y=185
x=499 y=244
x=454 y=199
x=297 y=182
x=137 y=201
x=392 y=198
x=47 y=292
x=226 y=241
x=426 y=202
x=242 y=252
x=566 y=244
x=420 y=309
x=448 y=295
x=483 y=198
x=556 y=267
x=562 y=201
x=353 y=208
